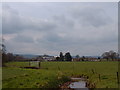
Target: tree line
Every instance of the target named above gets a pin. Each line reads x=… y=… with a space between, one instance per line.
x=66 y=57
x=110 y=55
x=7 y=57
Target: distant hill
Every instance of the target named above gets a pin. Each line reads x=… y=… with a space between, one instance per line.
x=93 y=56
x=29 y=56
x=88 y=56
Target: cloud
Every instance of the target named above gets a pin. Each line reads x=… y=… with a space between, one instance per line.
x=13 y=22
x=93 y=16
x=78 y=28
x=23 y=39
x=10 y=20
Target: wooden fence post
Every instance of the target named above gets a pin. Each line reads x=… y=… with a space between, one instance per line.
x=93 y=71
x=73 y=66
x=99 y=76
x=118 y=78
x=39 y=64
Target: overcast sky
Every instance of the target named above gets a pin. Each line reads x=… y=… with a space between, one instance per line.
x=50 y=28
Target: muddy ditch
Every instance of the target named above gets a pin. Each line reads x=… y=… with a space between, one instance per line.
x=33 y=68
x=30 y=67
x=77 y=83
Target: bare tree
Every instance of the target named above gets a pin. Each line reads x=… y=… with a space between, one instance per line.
x=110 y=55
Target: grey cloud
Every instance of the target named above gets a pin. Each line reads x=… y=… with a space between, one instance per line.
x=83 y=30
x=10 y=20
x=91 y=16
x=63 y=20
x=52 y=41
x=14 y=23
x=23 y=39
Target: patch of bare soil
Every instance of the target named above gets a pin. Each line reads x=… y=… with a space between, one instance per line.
x=65 y=85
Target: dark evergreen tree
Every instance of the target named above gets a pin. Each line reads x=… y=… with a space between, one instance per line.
x=83 y=58
x=68 y=57
x=57 y=58
x=61 y=57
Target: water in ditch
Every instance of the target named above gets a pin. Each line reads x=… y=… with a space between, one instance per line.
x=78 y=83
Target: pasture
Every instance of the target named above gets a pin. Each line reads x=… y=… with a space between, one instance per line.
x=52 y=74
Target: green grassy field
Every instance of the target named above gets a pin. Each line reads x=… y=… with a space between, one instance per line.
x=52 y=74
x=0 y=78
